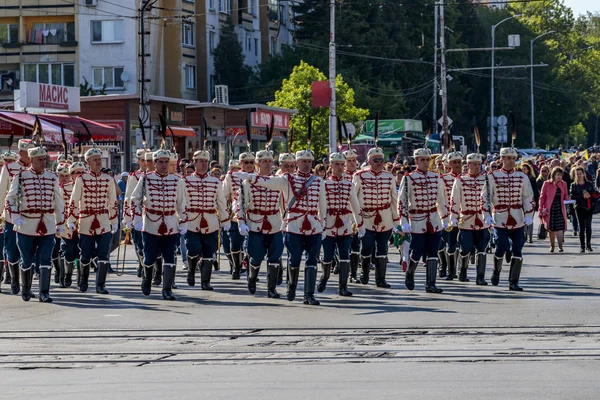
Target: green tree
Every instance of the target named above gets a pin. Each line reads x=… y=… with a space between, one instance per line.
x=86 y=89
x=296 y=93
x=229 y=64
x=578 y=135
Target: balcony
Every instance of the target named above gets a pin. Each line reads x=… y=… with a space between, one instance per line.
x=246 y=19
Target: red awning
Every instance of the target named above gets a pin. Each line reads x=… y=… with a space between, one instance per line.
x=182 y=131
x=100 y=132
x=51 y=131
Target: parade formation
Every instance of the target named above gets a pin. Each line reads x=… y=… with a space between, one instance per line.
x=343 y=223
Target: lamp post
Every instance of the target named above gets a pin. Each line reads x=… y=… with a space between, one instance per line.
x=532 y=100
x=492 y=90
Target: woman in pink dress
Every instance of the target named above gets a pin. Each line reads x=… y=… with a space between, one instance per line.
x=552 y=208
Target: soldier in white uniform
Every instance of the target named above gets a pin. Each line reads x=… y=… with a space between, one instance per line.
x=259 y=216
x=450 y=236
x=94 y=213
x=467 y=215
x=158 y=204
x=36 y=207
x=132 y=182
x=349 y=171
x=343 y=216
x=508 y=205
x=206 y=211
x=377 y=196
x=422 y=206
x=10 y=170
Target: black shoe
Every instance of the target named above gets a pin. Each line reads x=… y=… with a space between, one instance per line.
x=442 y=255
x=191 y=272
x=310 y=279
x=380 y=272
x=326 y=273
x=103 y=267
x=139 y=271
x=167 y=294
x=158 y=272
x=26 y=280
x=85 y=275
x=481 y=259
x=451 y=266
x=44 y=294
x=582 y=250
x=495 y=279
x=464 y=265
x=252 y=276
x=515 y=274
x=293 y=274
x=272 y=294
x=205 y=274
x=147 y=280
x=589 y=248
x=409 y=280
x=365 y=270
x=343 y=291
x=310 y=300
x=515 y=287
x=13 y=269
x=431 y=275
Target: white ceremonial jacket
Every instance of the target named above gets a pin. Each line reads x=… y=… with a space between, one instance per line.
x=378 y=199
x=509 y=196
x=66 y=190
x=231 y=191
x=422 y=202
x=260 y=207
x=465 y=202
x=93 y=205
x=6 y=176
x=205 y=203
x=343 y=210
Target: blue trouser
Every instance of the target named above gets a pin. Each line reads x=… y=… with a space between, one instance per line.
x=296 y=244
x=467 y=239
x=235 y=239
x=204 y=244
x=342 y=243
x=156 y=246
x=70 y=248
x=32 y=246
x=260 y=244
x=355 y=245
x=375 y=241
x=451 y=239
x=10 y=243
x=138 y=242
x=424 y=243
x=2 y=249
x=225 y=242
x=517 y=238
x=94 y=246
x=183 y=248
x=56 y=248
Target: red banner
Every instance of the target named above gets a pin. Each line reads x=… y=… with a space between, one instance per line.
x=262 y=118
x=321 y=94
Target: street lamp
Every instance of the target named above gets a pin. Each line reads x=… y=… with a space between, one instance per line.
x=532 y=100
x=492 y=91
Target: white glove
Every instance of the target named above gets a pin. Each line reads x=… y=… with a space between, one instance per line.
x=226 y=226
x=182 y=230
x=18 y=222
x=138 y=226
x=244 y=229
x=528 y=220
x=406 y=228
x=129 y=224
x=445 y=224
x=454 y=222
x=71 y=226
x=489 y=220
x=241 y=175
x=361 y=233
x=113 y=228
x=60 y=229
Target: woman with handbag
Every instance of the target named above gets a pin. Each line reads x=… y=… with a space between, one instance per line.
x=552 y=207
x=585 y=195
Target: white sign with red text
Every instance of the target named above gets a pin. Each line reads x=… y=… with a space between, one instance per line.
x=263 y=118
x=42 y=96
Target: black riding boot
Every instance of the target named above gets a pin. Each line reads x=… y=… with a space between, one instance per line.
x=44 y=293
x=69 y=266
x=62 y=272
x=140 y=268
x=326 y=273
x=464 y=265
x=26 y=280
x=167 y=281
x=84 y=276
x=481 y=259
x=56 y=266
x=293 y=273
x=335 y=265
x=442 y=255
x=496 y=272
x=431 y=275
x=451 y=266
x=7 y=277
x=515 y=274
x=280 y=272
x=310 y=279
x=158 y=268
x=409 y=279
x=1 y=273
x=147 y=279
x=237 y=265
x=205 y=274
x=365 y=269
x=230 y=259
x=252 y=276
x=508 y=255
x=343 y=279
x=380 y=272
x=13 y=269
x=173 y=285
x=272 y=277
x=191 y=272
x=354 y=261
x=101 y=277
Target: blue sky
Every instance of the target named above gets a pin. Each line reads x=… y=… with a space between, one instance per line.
x=582 y=6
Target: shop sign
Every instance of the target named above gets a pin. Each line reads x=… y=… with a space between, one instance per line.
x=263 y=118
x=48 y=97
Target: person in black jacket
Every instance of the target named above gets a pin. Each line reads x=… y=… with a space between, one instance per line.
x=585 y=195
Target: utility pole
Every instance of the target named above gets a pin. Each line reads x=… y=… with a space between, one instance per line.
x=144 y=30
x=443 y=80
x=435 y=66
x=332 y=104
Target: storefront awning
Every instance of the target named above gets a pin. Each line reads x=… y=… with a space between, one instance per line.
x=100 y=132
x=182 y=131
x=51 y=131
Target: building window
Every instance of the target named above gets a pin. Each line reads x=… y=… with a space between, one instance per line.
x=187 y=34
x=211 y=5
x=252 y=9
x=211 y=84
x=109 y=77
x=56 y=74
x=9 y=33
x=190 y=76
x=255 y=46
x=212 y=37
x=249 y=41
x=225 y=6
x=107 y=31
x=51 y=33
x=273 y=46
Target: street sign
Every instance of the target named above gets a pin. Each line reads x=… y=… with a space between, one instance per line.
x=493 y=135
x=502 y=134
x=441 y=121
x=495 y=121
x=502 y=120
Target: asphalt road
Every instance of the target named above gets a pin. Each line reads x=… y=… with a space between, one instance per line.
x=469 y=342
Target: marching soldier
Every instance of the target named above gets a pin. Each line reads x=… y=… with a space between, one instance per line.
x=343 y=215
x=423 y=212
x=93 y=207
x=234 y=166
x=158 y=205
x=10 y=170
x=35 y=205
x=259 y=216
x=450 y=238
x=377 y=196
x=205 y=204
x=508 y=205
x=66 y=187
x=64 y=159
x=349 y=171
x=132 y=182
x=287 y=163
x=467 y=215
